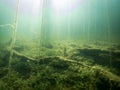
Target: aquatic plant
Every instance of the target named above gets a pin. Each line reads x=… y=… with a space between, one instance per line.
x=67 y=67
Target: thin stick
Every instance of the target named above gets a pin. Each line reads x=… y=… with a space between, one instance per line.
x=13 y=39
x=108 y=27
x=7 y=25
x=68 y=21
x=95 y=20
x=41 y=22
x=88 y=21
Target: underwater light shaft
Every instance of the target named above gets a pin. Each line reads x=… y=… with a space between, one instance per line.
x=30 y=6
x=61 y=5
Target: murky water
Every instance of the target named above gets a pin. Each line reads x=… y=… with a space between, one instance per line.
x=59 y=45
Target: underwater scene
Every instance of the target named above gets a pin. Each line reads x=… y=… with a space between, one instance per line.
x=59 y=44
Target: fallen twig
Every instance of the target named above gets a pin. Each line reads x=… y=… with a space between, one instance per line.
x=7 y=25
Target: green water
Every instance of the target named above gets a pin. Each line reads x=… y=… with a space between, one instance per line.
x=59 y=45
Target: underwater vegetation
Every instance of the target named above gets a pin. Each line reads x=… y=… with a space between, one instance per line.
x=59 y=50
x=80 y=68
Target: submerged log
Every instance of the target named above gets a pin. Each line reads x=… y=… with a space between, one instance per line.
x=24 y=57
x=100 y=70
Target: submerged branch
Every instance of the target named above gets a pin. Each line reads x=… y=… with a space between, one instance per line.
x=100 y=70
x=7 y=25
x=24 y=57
